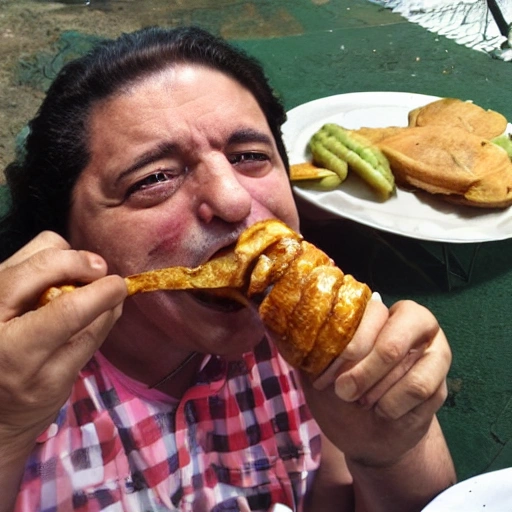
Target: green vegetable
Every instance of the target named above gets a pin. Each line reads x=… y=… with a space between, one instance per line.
x=337 y=149
x=505 y=142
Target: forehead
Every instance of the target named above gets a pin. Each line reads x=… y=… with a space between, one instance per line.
x=183 y=93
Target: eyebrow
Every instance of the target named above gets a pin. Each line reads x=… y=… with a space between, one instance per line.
x=249 y=135
x=165 y=149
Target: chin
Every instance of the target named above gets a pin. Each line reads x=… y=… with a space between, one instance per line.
x=208 y=324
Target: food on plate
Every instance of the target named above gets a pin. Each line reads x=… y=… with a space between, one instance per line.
x=451 y=148
x=463 y=114
x=504 y=141
x=375 y=135
x=333 y=144
x=309 y=305
x=327 y=151
x=309 y=175
x=456 y=165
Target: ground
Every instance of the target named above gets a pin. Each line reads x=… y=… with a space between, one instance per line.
x=27 y=28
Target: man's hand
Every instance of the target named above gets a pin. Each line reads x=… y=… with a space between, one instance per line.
x=377 y=403
x=42 y=350
x=378 y=398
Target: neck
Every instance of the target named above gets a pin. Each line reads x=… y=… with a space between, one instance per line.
x=174 y=379
x=156 y=363
x=176 y=382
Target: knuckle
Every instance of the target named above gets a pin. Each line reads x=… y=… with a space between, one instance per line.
x=388 y=413
x=443 y=392
x=419 y=389
x=355 y=382
x=411 y=309
x=66 y=311
x=354 y=351
x=42 y=259
x=390 y=352
x=50 y=239
x=407 y=305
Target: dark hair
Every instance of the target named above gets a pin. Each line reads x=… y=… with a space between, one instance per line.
x=57 y=146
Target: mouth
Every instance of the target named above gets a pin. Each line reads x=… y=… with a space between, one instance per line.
x=223 y=300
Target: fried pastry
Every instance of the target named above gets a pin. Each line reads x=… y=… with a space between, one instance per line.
x=310 y=307
x=375 y=135
x=461 y=114
x=309 y=175
x=458 y=166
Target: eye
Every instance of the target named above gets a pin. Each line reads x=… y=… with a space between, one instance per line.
x=247 y=158
x=154 y=187
x=148 y=181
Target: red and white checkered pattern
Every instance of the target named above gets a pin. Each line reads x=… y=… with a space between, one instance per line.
x=242 y=434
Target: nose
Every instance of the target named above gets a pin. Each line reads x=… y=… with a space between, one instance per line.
x=222 y=193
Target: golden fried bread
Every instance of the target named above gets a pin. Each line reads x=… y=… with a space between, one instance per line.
x=462 y=114
x=376 y=135
x=308 y=171
x=336 y=333
x=314 y=310
x=278 y=308
x=459 y=166
x=493 y=191
x=309 y=306
x=310 y=175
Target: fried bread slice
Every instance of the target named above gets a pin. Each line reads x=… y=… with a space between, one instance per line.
x=462 y=114
x=451 y=162
x=376 y=134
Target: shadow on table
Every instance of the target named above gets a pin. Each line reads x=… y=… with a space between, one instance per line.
x=389 y=262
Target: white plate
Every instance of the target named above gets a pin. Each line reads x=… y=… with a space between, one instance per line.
x=489 y=492
x=415 y=215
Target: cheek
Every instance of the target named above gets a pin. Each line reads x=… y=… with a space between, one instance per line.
x=120 y=243
x=277 y=197
x=170 y=239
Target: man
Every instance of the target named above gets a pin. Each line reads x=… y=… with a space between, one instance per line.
x=159 y=149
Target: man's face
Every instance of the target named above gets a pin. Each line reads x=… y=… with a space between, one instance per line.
x=180 y=164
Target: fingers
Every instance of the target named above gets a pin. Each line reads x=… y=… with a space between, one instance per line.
x=395 y=363
x=73 y=355
x=409 y=327
x=42 y=350
x=30 y=337
x=429 y=408
x=374 y=318
x=424 y=382
x=66 y=316
x=22 y=283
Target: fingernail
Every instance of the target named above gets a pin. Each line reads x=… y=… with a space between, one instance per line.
x=376 y=297
x=346 y=390
x=96 y=262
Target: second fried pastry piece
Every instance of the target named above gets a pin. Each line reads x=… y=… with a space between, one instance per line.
x=341 y=325
x=313 y=310
x=456 y=165
x=466 y=115
x=277 y=308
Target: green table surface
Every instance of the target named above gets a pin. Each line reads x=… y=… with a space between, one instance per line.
x=356 y=46
x=313 y=49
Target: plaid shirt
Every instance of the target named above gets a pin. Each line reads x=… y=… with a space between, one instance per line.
x=242 y=433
